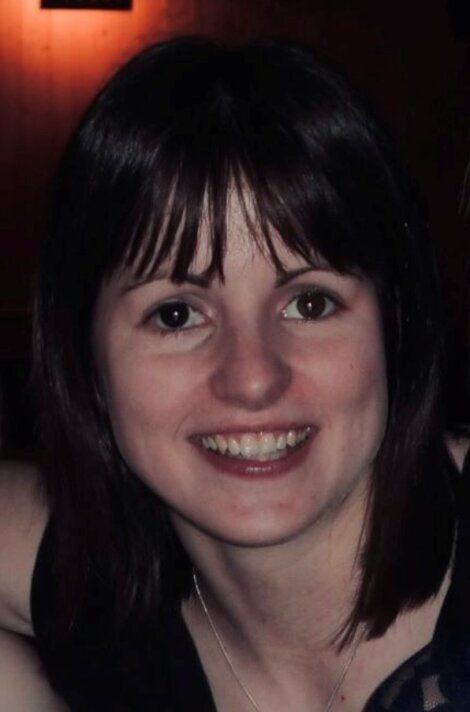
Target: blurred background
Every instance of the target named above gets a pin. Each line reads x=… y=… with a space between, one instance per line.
x=411 y=58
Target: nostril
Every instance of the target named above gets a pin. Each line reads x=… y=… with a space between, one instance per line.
x=254 y=381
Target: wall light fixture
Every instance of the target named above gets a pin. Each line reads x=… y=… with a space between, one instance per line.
x=87 y=4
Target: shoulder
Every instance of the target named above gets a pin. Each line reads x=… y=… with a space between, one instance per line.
x=23 y=685
x=458 y=446
x=23 y=517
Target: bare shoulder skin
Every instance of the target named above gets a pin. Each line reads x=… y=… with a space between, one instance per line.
x=23 y=686
x=458 y=448
x=23 y=516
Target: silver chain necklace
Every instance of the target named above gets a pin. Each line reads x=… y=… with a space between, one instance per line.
x=243 y=687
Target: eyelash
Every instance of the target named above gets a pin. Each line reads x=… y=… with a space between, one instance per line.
x=334 y=305
x=177 y=330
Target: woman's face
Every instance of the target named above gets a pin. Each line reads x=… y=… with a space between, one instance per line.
x=255 y=407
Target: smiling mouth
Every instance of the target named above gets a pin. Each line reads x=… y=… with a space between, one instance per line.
x=259 y=447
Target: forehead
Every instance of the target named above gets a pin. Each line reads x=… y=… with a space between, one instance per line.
x=245 y=240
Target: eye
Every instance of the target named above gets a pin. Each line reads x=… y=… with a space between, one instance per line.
x=176 y=316
x=310 y=305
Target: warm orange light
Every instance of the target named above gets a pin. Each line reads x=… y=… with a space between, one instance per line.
x=51 y=64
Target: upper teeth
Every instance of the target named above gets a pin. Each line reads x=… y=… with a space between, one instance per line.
x=255 y=445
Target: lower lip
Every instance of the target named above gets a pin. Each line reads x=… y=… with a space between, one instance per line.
x=254 y=469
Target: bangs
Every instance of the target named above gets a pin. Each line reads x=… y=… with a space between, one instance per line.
x=321 y=193
x=281 y=202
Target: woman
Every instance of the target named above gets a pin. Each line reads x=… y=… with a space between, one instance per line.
x=238 y=351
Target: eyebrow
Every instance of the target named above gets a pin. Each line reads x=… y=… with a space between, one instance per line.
x=286 y=276
x=283 y=278
x=196 y=279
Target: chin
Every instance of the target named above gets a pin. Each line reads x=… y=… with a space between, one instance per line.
x=242 y=528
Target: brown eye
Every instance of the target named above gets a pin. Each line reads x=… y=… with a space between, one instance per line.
x=176 y=316
x=310 y=305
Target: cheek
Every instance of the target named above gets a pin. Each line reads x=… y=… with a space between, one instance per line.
x=148 y=396
x=362 y=373
x=136 y=392
x=346 y=375
x=359 y=402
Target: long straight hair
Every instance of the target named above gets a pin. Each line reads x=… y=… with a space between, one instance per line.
x=169 y=136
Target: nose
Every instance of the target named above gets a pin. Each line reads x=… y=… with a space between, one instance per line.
x=251 y=372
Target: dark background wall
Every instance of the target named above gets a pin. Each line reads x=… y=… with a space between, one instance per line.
x=407 y=56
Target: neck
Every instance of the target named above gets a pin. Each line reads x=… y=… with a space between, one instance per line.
x=279 y=609
x=293 y=596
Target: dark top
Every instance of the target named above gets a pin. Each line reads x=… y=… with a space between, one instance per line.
x=160 y=671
